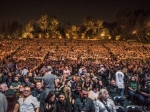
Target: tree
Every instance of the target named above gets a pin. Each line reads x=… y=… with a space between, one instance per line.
x=88 y=24
x=15 y=29
x=44 y=23
x=29 y=27
x=125 y=19
x=53 y=26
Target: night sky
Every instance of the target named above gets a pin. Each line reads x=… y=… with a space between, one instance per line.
x=72 y=11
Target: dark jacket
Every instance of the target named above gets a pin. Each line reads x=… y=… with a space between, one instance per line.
x=44 y=109
x=113 y=91
x=86 y=105
x=65 y=106
x=40 y=95
x=75 y=94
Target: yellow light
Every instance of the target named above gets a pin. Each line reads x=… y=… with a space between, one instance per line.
x=109 y=37
x=60 y=37
x=134 y=32
x=102 y=34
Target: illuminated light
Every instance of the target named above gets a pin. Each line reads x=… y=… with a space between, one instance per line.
x=117 y=37
x=102 y=34
x=60 y=37
x=109 y=37
x=134 y=32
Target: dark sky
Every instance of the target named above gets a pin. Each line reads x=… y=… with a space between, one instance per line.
x=72 y=11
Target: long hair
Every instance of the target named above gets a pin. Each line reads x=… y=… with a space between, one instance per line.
x=11 y=99
x=50 y=94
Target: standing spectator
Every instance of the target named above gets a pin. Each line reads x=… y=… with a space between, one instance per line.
x=24 y=71
x=120 y=80
x=82 y=70
x=49 y=104
x=66 y=72
x=100 y=71
x=63 y=105
x=3 y=103
x=49 y=81
x=28 y=103
x=104 y=78
x=38 y=92
x=103 y=103
x=84 y=103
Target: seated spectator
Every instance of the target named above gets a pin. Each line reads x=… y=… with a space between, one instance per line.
x=63 y=105
x=87 y=84
x=38 y=92
x=21 y=78
x=49 y=103
x=28 y=103
x=93 y=94
x=31 y=77
x=1 y=78
x=103 y=103
x=100 y=85
x=13 y=105
x=133 y=90
x=26 y=81
x=113 y=91
x=76 y=93
x=74 y=83
x=145 y=92
x=66 y=90
x=19 y=93
x=84 y=103
x=15 y=84
x=6 y=91
x=9 y=79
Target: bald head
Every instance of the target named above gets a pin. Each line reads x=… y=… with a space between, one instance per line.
x=3 y=87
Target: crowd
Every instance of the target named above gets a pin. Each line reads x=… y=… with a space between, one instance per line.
x=43 y=75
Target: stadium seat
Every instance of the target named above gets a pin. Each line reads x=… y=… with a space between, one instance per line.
x=120 y=100
x=120 y=109
x=133 y=108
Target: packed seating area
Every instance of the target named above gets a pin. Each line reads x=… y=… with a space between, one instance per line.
x=81 y=69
